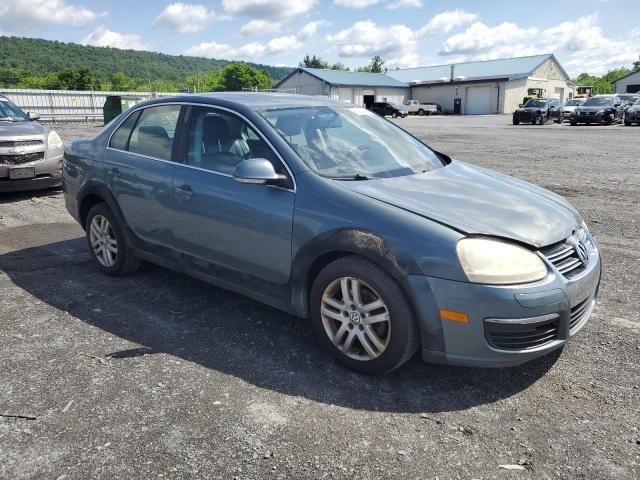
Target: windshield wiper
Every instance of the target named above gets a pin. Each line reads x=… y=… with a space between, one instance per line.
x=356 y=177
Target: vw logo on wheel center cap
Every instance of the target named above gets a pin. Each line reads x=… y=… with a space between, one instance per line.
x=355 y=318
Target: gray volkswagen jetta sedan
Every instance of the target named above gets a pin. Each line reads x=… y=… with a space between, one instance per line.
x=329 y=212
x=30 y=153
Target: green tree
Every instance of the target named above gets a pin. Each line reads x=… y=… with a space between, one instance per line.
x=313 y=62
x=375 y=66
x=239 y=75
x=636 y=65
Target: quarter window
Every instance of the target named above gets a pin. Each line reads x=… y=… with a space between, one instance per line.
x=154 y=132
x=120 y=138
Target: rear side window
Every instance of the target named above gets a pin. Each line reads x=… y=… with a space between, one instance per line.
x=155 y=131
x=120 y=137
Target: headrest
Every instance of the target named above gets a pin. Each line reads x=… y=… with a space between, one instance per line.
x=289 y=125
x=154 y=130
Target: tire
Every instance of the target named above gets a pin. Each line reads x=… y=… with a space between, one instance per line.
x=394 y=115
x=516 y=121
x=573 y=123
x=125 y=260
x=421 y=112
x=627 y=123
x=395 y=329
x=542 y=120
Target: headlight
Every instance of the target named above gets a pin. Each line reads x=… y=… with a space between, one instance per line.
x=54 y=140
x=485 y=260
x=600 y=112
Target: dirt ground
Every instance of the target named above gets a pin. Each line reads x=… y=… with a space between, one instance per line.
x=158 y=375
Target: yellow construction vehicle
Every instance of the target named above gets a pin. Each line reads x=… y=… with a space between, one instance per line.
x=532 y=93
x=584 y=91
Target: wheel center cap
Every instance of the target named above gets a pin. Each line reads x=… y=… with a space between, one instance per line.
x=355 y=318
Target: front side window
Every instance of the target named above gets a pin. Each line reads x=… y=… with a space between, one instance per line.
x=154 y=132
x=345 y=142
x=219 y=140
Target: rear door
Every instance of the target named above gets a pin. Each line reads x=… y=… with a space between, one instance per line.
x=138 y=165
x=219 y=222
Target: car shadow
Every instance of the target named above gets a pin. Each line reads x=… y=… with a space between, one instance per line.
x=166 y=312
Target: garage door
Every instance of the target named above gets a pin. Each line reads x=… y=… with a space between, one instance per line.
x=478 y=101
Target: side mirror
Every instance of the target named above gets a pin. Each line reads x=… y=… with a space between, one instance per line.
x=258 y=171
x=33 y=115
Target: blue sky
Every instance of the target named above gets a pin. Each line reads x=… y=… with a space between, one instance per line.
x=588 y=35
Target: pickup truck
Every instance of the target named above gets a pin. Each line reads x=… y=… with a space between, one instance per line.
x=414 y=107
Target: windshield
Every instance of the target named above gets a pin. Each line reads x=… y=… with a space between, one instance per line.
x=637 y=102
x=536 y=104
x=396 y=106
x=598 y=102
x=351 y=143
x=11 y=113
x=574 y=103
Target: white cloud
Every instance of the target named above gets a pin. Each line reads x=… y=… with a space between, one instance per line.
x=103 y=37
x=259 y=27
x=27 y=15
x=310 y=29
x=185 y=18
x=250 y=51
x=355 y=3
x=396 y=43
x=268 y=9
x=635 y=33
x=580 y=45
x=446 y=21
x=404 y=4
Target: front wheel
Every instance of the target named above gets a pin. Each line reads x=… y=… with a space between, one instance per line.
x=107 y=243
x=363 y=316
x=516 y=121
x=421 y=112
x=394 y=115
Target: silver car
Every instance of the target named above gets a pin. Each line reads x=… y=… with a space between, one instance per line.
x=570 y=107
x=30 y=153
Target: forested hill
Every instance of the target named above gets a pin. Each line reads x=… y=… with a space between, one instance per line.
x=20 y=56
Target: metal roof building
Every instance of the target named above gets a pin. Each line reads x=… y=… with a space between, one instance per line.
x=629 y=83
x=359 y=88
x=485 y=87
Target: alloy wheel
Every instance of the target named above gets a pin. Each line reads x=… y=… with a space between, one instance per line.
x=103 y=241
x=355 y=318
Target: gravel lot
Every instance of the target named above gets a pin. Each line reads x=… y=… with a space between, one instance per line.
x=158 y=375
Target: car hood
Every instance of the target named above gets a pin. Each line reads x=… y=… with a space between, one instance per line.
x=21 y=129
x=474 y=200
x=531 y=109
x=592 y=109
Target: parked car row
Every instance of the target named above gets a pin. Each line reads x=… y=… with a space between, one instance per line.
x=599 y=109
x=410 y=107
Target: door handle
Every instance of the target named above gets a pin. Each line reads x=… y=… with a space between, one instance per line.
x=114 y=172
x=184 y=190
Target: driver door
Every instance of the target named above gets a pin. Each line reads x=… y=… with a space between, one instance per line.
x=218 y=222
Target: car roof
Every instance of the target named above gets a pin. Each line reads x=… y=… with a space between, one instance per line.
x=253 y=100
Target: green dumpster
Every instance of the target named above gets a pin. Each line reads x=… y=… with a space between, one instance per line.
x=114 y=105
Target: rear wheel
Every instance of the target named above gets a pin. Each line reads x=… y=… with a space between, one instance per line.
x=107 y=243
x=421 y=112
x=394 y=115
x=363 y=316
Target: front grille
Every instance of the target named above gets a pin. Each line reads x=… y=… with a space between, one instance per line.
x=20 y=143
x=579 y=312
x=20 y=159
x=521 y=336
x=564 y=255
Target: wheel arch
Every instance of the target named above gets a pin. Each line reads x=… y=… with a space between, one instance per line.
x=92 y=195
x=321 y=251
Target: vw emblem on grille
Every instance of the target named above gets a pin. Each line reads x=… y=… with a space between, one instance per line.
x=582 y=252
x=577 y=241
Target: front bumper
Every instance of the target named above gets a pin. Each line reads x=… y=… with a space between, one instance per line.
x=554 y=309
x=48 y=174
x=597 y=118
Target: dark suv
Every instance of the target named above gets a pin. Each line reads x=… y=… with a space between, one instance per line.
x=384 y=108
x=604 y=109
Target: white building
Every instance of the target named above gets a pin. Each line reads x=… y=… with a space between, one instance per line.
x=629 y=83
x=493 y=86
x=359 y=88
